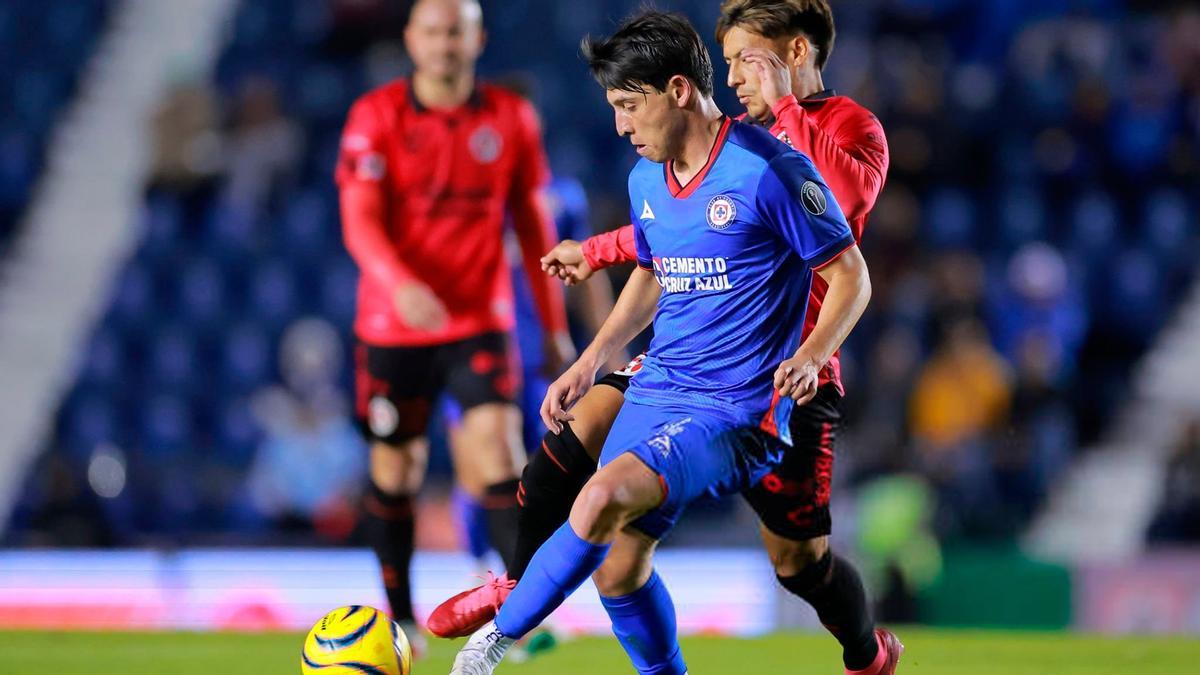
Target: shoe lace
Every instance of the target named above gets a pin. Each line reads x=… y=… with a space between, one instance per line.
x=495 y=584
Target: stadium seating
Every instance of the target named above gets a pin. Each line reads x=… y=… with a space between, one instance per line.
x=195 y=322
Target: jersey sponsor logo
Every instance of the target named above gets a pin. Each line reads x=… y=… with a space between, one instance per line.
x=382 y=417
x=813 y=198
x=720 y=212
x=646 y=212
x=485 y=144
x=689 y=275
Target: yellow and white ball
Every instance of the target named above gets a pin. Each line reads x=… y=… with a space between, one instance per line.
x=356 y=640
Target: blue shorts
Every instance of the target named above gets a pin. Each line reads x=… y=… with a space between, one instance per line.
x=695 y=453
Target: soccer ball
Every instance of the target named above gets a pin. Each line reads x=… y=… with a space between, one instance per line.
x=356 y=640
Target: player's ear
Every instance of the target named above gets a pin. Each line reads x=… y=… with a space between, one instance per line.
x=680 y=89
x=798 y=51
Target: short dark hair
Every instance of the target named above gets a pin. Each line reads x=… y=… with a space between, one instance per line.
x=649 y=49
x=782 y=18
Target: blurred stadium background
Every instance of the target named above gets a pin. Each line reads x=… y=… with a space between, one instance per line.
x=175 y=306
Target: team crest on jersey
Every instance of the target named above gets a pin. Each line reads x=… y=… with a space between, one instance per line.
x=485 y=144
x=720 y=212
x=813 y=198
x=370 y=167
x=784 y=137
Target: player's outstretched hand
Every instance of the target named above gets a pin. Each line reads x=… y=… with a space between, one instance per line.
x=774 y=77
x=419 y=307
x=566 y=262
x=797 y=378
x=563 y=393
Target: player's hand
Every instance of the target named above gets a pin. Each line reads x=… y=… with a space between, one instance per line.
x=419 y=307
x=797 y=379
x=566 y=262
x=774 y=76
x=564 y=393
x=559 y=351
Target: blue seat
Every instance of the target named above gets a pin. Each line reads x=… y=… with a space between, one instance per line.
x=246 y=358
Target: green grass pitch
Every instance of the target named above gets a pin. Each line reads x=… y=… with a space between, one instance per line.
x=930 y=652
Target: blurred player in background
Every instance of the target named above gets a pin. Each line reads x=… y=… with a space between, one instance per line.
x=776 y=51
x=732 y=227
x=429 y=168
x=587 y=307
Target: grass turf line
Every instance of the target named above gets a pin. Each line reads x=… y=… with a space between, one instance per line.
x=930 y=652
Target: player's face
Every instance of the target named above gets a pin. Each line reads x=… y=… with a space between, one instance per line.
x=648 y=120
x=743 y=79
x=444 y=37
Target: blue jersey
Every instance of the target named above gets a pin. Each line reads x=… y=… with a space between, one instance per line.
x=734 y=251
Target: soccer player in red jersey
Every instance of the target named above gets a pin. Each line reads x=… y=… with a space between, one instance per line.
x=776 y=50
x=429 y=167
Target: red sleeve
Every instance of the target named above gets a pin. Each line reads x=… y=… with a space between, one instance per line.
x=610 y=248
x=532 y=221
x=360 y=174
x=852 y=158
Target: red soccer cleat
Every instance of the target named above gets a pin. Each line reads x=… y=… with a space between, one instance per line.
x=468 y=611
x=890 y=650
x=894 y=648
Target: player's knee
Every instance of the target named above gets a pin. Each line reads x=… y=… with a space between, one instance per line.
x=597 y=511
x=791 y=558
x=396 y=470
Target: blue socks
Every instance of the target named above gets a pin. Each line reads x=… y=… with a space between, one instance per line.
x=559 y=567
x=644 y=623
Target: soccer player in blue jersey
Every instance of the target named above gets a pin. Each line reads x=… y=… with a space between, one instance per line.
x=730 y=225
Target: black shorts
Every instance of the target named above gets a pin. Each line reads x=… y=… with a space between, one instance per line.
x=793 y=500
x=396 y=388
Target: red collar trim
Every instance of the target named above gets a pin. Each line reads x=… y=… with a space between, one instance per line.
x=684 y=191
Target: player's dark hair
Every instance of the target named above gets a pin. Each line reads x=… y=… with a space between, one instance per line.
x=782 y=18
x=649 y=49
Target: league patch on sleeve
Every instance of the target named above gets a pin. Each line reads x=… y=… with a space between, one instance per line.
x=813 y=198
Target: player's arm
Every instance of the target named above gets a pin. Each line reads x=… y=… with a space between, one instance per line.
x=633 y=311
x=363 y=202
x=853 y=161
x=847 y=298
x=574 y=262
x=794 y=201
x=534 y=228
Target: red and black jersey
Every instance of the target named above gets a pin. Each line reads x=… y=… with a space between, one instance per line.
x=846 y=143
x=447 y=178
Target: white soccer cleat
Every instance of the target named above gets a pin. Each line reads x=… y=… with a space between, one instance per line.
x=484 y=651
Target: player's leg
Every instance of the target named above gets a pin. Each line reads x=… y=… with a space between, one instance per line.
x=555 y=474
x=489 y=452
x=655 y=462
x=558 y=470
x=639 y=605
x=793 y=505
x=614 y=496
x=395 y=390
